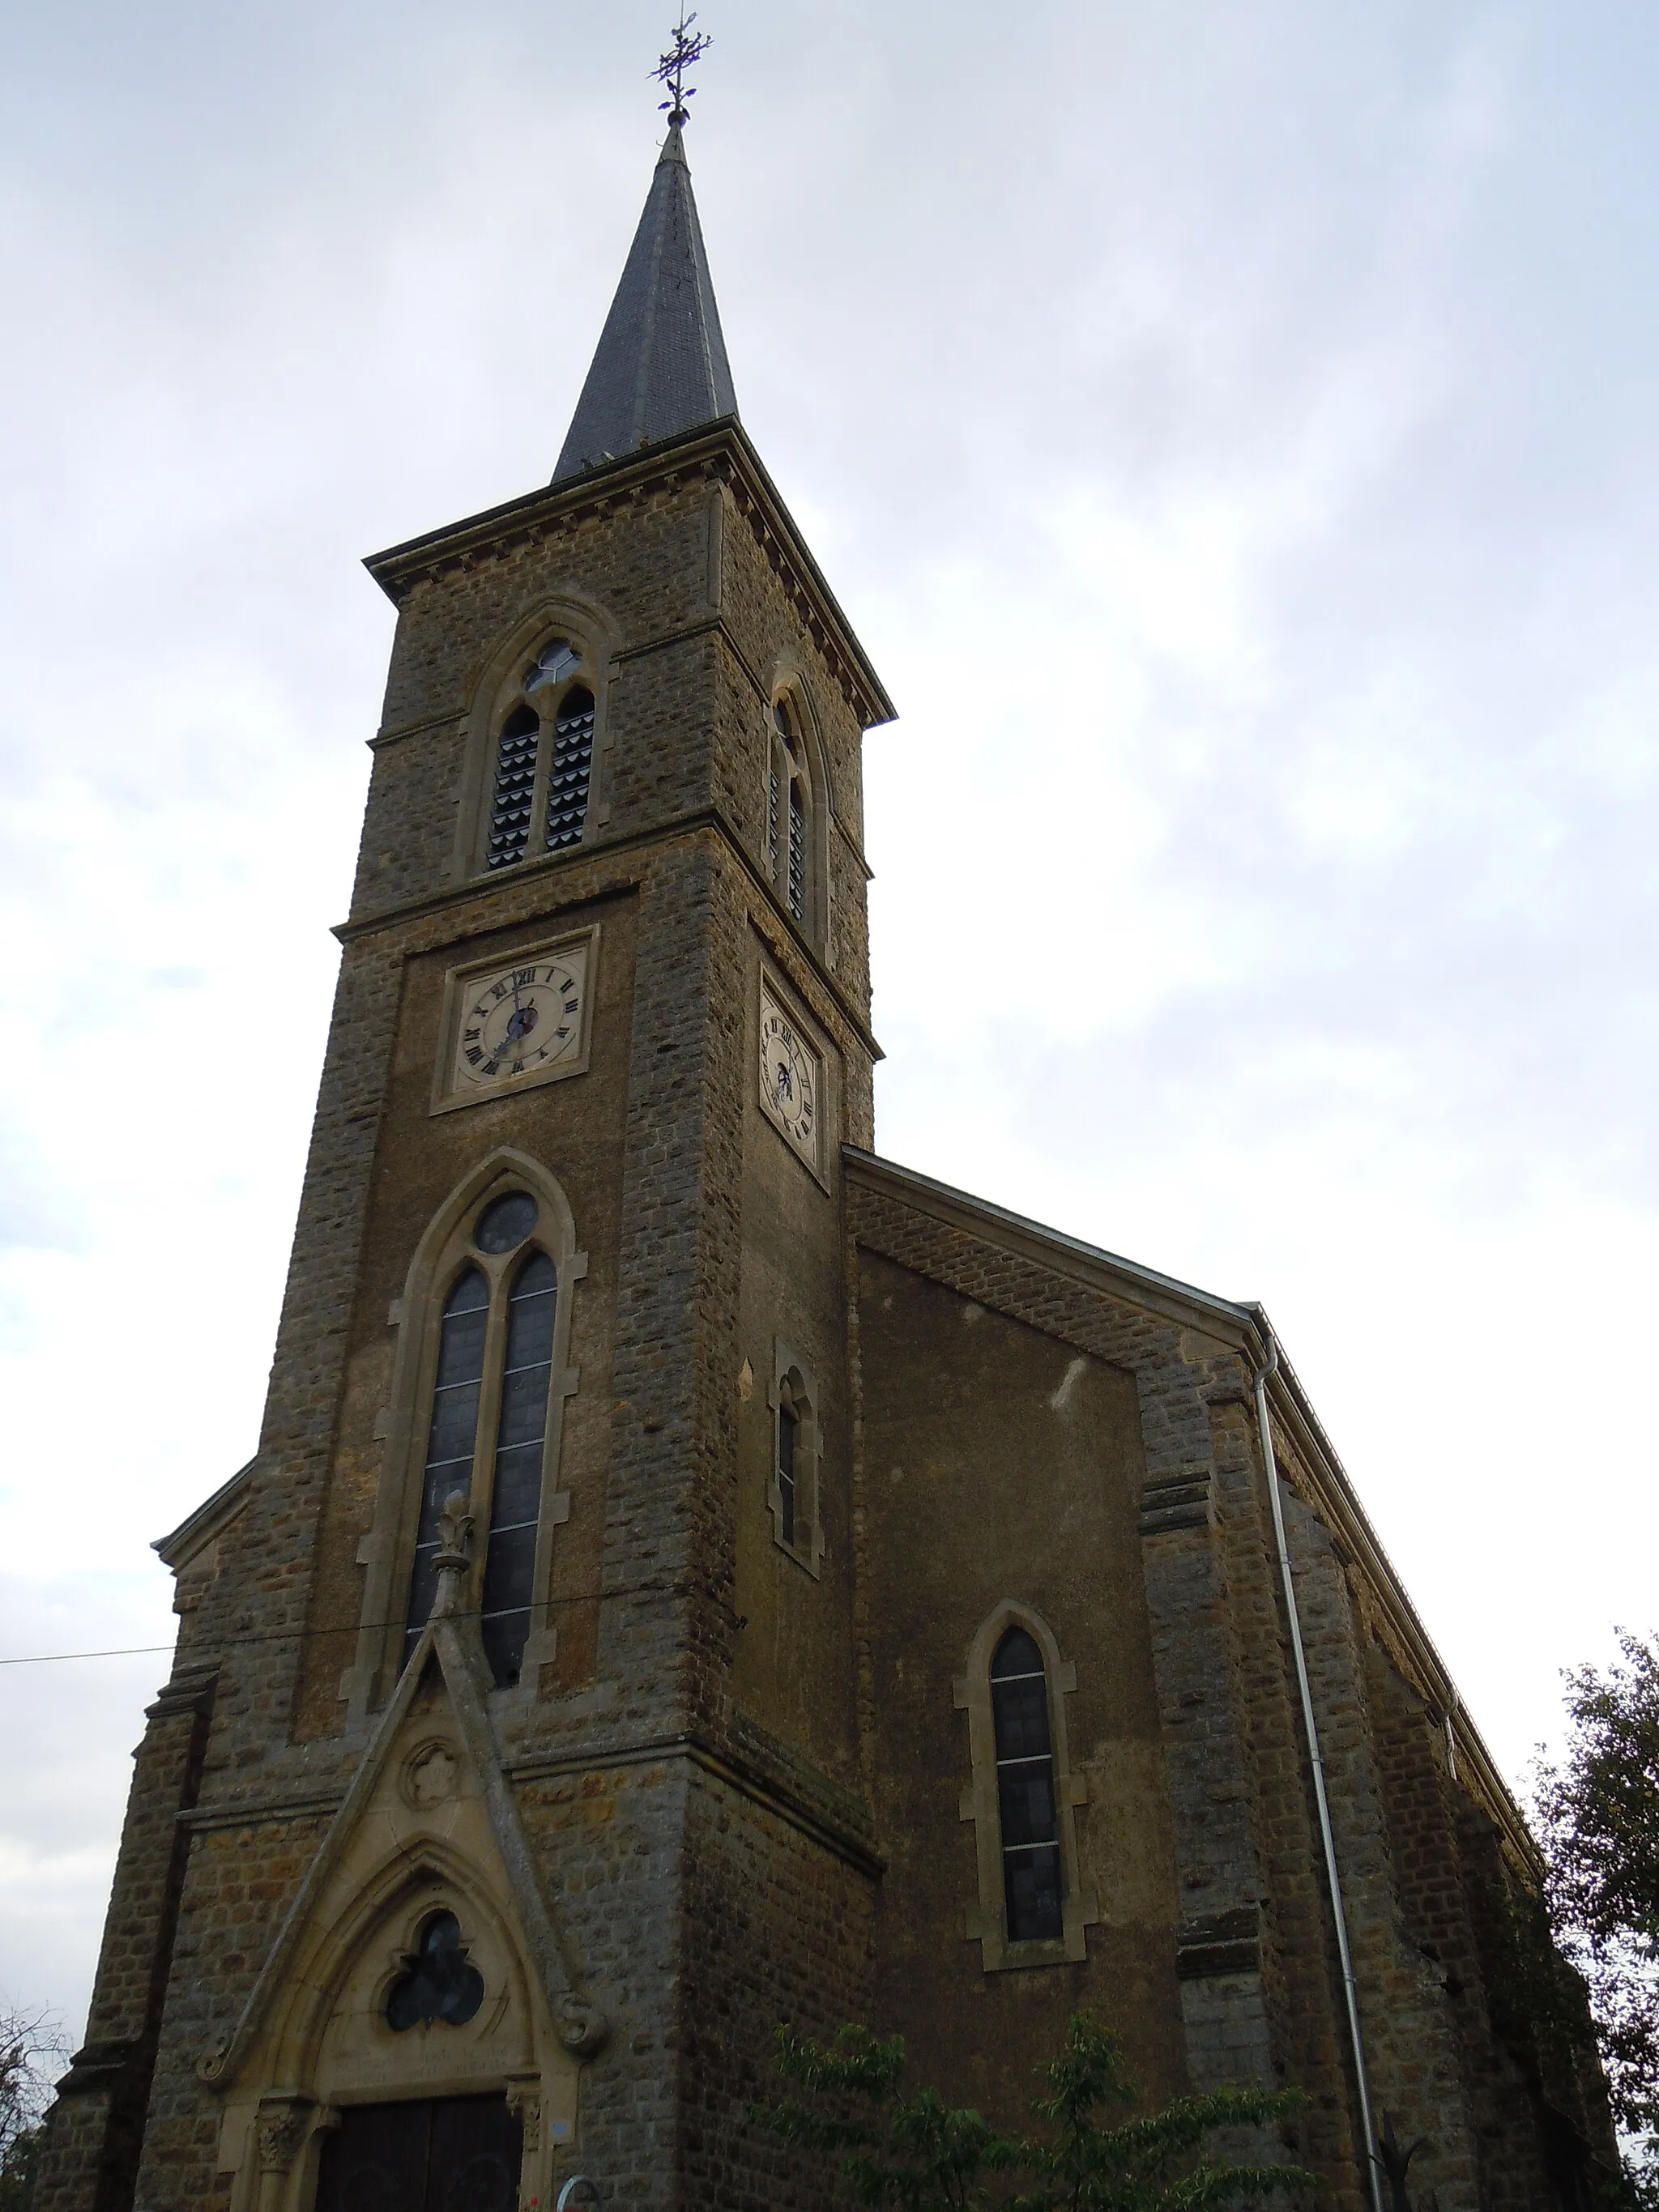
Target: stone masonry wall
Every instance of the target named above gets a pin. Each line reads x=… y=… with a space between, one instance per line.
x=1217 y=1812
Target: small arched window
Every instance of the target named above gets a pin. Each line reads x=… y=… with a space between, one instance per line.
x=792 y=1489
x=1032 y=1910
x=543 y=760
x=1027 y=1806
x=789 y=814
x=487 y=1435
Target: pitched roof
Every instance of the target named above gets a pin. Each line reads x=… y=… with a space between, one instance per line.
x=660 y=368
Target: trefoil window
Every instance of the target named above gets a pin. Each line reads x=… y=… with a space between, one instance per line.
x=439 y=1984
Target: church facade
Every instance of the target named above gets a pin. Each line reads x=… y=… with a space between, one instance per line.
x=697 y=1574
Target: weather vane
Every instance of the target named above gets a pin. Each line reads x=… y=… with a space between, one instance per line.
x=670 y=70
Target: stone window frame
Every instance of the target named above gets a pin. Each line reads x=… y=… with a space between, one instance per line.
x=806 y=762
x=986 y=1921
x=499 y=689
x=792 y=1373
x=387 y=1552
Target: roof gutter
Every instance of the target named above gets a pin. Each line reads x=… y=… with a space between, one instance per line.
x=1310 y=1726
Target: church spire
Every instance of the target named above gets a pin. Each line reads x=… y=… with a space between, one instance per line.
x=660 y=365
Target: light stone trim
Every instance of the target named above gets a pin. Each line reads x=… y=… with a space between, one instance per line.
x=987 y=1923
x=791 y=1374
x=388 y=1551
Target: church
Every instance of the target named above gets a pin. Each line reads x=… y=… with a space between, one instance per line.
x=697 y=1574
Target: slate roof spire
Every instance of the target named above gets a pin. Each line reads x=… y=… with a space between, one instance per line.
x=661 y=366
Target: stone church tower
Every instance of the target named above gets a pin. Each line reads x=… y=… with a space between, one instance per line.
x=697 y=1574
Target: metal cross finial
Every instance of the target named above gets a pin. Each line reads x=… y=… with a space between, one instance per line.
x=670 y=70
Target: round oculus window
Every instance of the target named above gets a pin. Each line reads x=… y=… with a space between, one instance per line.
x=506 y=1222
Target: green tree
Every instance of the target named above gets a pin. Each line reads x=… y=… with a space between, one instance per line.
x=913 y=2151
x=1598 y=1818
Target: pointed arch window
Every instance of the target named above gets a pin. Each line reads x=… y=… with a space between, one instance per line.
x=543 y=760
x=789 y=814
x=492 y=1393
x=793 y=1491
x=1026 y=1806
x=1031 y=1909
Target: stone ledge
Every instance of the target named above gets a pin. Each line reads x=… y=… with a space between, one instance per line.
x=1181 y=1503
x=1219 y=1943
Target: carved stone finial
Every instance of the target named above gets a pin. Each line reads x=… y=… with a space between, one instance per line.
x=582 y=2026
x=454 y=1556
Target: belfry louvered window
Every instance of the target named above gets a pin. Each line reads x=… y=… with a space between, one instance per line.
x=487 y=1434
x=513 y=802
x=1026 y=1800
x=544 y=762
x=789 y=815
x=571 y=769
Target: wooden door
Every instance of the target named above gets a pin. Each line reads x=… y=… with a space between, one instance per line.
x=430 y=2155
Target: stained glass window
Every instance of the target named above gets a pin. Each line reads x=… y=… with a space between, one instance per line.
x=439 y=1984
x=788 y=1444
x=1025 y=1789
x=506 y=1222
x=452 y=1439
x=521 y=1437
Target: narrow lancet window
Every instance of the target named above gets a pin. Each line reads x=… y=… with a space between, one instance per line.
x=571 y=769
x=452 y=1437
x=513 y=797
x=1025 y=1789
x=521 y=1436
x=789 y=1445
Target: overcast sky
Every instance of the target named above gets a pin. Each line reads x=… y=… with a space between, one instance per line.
x=1229 y=425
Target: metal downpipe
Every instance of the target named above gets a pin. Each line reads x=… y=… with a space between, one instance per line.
x=1327 y=1840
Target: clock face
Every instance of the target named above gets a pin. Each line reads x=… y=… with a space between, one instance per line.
x=519 y=1024
x=789 y=1079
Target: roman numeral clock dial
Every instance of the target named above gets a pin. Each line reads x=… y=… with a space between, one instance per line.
x=510 y=1026
x=790 y=1079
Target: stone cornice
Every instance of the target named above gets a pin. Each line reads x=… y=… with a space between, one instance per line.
x=214 y=1514
x=1166 y=1296
x=845 y=1832
x=590 y=879
x=721 y=453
